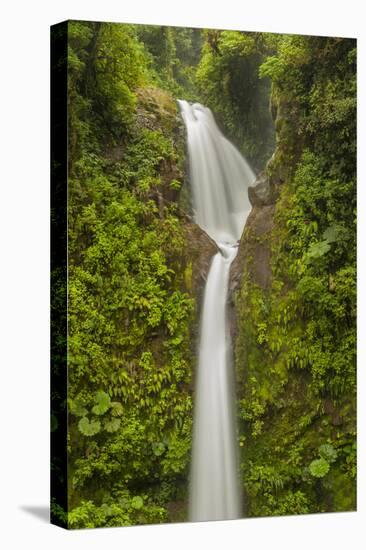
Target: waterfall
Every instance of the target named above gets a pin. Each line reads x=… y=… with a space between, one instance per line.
x=219 y=178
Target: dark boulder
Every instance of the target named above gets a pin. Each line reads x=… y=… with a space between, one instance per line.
x=262 y=192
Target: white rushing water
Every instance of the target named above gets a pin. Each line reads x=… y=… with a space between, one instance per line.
x=219 y=178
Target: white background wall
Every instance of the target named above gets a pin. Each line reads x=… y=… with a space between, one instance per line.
x=24 y=286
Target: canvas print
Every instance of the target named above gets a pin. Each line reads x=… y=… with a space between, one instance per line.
x=203 y=274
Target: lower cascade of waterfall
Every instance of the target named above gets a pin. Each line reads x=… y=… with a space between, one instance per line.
x=219 y=178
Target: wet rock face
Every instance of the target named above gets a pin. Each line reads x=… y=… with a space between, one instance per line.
x=156 y=110
x=253 y=257
x=254 y=253
x=201 y=251
x=262 y=193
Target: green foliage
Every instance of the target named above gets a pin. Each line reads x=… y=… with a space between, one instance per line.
x=105 y=66
x=77 y=407
x=272 y=68
x=173 y=55
x=295 y=350
x=318 y=249
x=121 y=510
x=130 y=311
x=319 y=467
x=88 y=428
x=227 y=77
x=112 y=425
x=137 y=503
x=103 y=403
x=328 y=452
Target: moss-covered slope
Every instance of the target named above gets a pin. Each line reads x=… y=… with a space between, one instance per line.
x=137 y=266
x=293 y=291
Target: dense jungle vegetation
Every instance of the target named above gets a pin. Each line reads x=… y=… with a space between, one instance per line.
x=136 y=273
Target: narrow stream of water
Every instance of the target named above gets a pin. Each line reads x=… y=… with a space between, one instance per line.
x=219 y=178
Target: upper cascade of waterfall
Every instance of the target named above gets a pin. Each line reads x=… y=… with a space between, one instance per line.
x=219 y=176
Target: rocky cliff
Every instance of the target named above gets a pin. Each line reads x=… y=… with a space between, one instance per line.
x=291 y=313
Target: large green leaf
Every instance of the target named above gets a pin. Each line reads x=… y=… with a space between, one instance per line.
x=158 y=448
x=319 y=467
x=117 y=408
x=137 y=503
x=103 y=403
x=77 y=407
x=331 y=233
x=328 y=452
x=112 y=425
x=88 y=428
x=317 y=250
x=336 y=232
